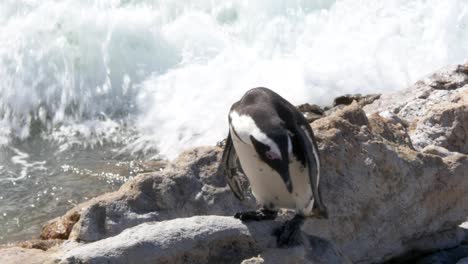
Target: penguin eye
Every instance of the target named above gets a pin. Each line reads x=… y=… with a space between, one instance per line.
x=271 y=155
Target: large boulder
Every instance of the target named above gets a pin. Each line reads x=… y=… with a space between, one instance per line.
x=200 y=239
x=385 y=198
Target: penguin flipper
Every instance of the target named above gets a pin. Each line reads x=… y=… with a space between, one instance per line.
x=232 y=169
x=313 y=161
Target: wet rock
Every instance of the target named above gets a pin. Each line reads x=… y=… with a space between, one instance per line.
x=310 y=108
x=61 y=227
x=311 y=112
x=362 y=100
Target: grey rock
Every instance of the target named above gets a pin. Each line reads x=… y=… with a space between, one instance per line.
x=383 y=197
x=207 y=239
x=200 y=239
x=436 y=109
x=192 y=185
x=311 y=112
x=254 y=260
x=454 y=255
x=303 y=108
x=362 y=100
x=15 y=255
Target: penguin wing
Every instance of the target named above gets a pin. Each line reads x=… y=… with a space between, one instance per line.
x=232 y=169
x=306 y=138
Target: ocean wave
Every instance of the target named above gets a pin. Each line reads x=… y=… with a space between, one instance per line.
x=163 y=74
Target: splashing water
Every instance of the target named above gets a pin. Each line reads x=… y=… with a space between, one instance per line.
x=169 y=70
x=118 y=80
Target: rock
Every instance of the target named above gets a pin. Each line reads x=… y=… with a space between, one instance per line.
x=445 y=125
x=254 y=260
x=437 y=150
x=15 y=255
x=360 y=99
x=390 y=128
x=207 y=239
x=200 y=239
x=445 y=239
x=303 y=108
x=40 y=244
x=383 y=197
x=61 y=227
x=311 y=112
x=342 y=101
x=450 y=80
x=36 y=252
x=454 y=255
x=436 y=109
x=192 y=185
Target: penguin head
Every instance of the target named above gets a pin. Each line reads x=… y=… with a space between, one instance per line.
x=269 y=138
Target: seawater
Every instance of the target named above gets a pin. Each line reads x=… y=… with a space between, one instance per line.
x=88 y=86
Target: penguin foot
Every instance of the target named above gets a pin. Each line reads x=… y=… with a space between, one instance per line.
x=290 y=234
x=259 y=215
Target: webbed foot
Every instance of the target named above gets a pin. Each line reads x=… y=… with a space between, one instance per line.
x=259 y=215
x=290 y=234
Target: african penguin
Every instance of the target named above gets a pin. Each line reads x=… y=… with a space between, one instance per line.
x=275 y=147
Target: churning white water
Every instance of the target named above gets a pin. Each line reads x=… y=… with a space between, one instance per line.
x=169 y=70
x=151 y=78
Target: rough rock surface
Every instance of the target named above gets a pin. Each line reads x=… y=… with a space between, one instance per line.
x=348 y=99
x=200 y=239
x=383 y=197
x=435 y=109
x=393 y=178
x=15 y=255
x=192 y=185
x=61 y=228
x=311 y=112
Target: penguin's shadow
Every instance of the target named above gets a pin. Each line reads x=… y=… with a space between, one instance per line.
x=314 y=249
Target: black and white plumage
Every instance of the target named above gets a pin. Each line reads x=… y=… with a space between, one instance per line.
x=271 y=142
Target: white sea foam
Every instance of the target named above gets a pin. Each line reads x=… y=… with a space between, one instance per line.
x=170 y=70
